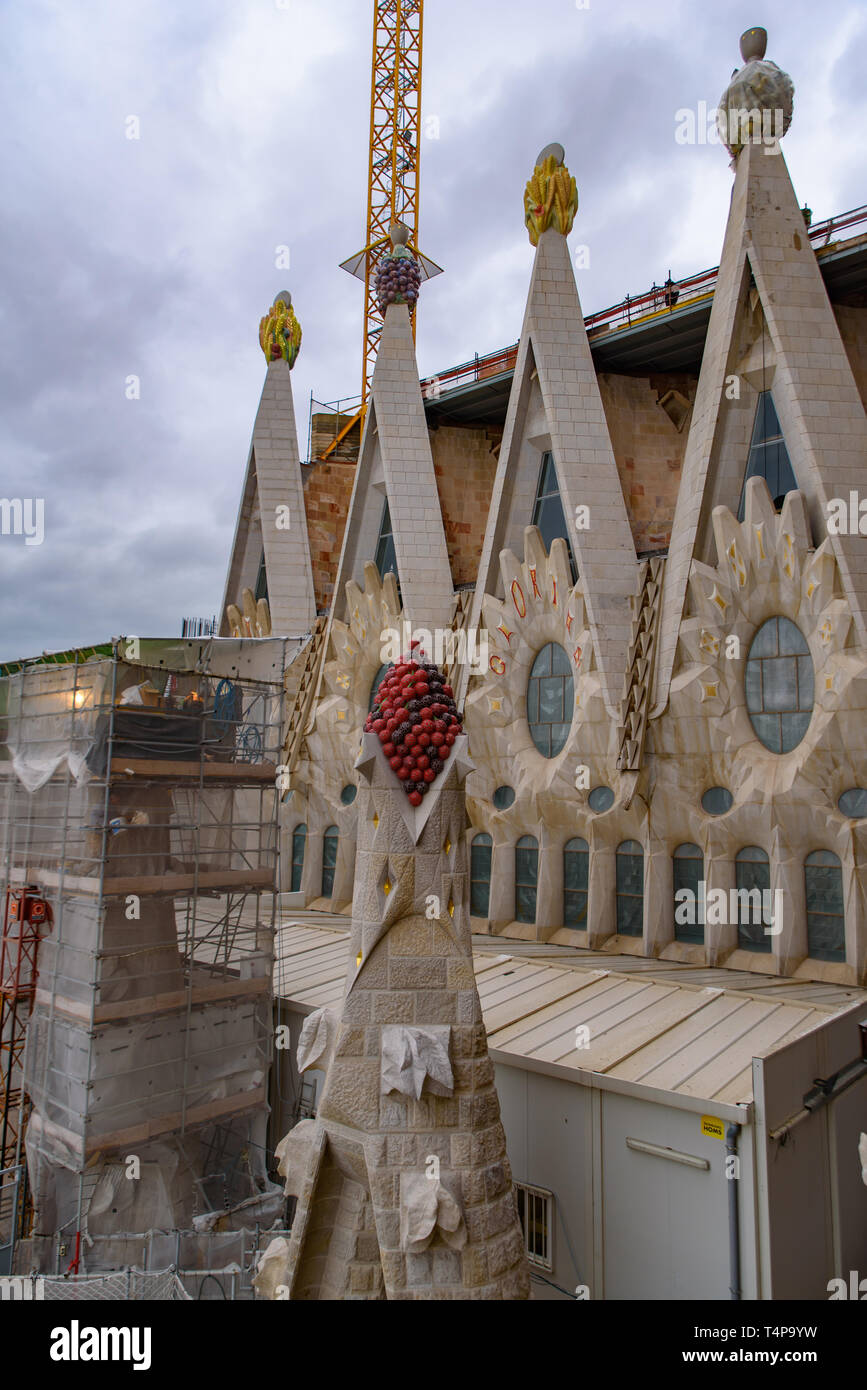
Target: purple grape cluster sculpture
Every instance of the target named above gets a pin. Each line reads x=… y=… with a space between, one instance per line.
x=398 y=279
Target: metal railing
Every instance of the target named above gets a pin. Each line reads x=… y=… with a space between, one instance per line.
x=199 y=627
x=673 y=294
x=659 y=299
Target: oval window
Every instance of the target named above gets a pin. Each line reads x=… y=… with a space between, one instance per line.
x=503 y=798
x=550 y=700
x=716 y=801
x=601 y=799
x=779 y=685
x=853 y=803
x=349 y=793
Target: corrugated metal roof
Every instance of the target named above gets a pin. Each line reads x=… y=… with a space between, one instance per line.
x=670 y=1029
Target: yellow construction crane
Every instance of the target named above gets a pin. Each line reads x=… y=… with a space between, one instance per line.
x=393 y=169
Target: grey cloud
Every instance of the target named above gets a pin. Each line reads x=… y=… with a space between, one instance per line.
x=156 y=257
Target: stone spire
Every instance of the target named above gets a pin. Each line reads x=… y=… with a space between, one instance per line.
x=272 y=518
x=395 y=463
x=555 y=406
x=764 y=336
x=404 y=1185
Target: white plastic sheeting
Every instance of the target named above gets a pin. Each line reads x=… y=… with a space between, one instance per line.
x=33 y=770
x=51 y=719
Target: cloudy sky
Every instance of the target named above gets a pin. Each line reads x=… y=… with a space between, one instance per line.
x=155 y=257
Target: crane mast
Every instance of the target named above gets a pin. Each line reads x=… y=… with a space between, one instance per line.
x=393 y=168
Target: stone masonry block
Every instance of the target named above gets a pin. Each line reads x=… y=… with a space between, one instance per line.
x=394 y=1008
x=460 y=976
x=460 y=1150
x=406 y=972
x=446 y=1267
x=436 y=1006
x=419 y=1269
x=412 y=937
x=474 y=1266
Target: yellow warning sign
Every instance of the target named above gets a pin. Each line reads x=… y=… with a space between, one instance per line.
x=712 y=1127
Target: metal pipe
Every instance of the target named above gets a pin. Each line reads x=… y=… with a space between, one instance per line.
x=822 y=1093
x=732 y=1136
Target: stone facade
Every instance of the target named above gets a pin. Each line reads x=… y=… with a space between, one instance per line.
x=649 y=446
x=465 y=463
x=852 y=323
x=327 y=490
x=403 y=1183
x=271 y=523
x=659 y=751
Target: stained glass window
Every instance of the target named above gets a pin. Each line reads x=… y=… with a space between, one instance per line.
x=576 y=877
x=329 y=860
x=753 y=881
x=299 y=841
x=630 y=888
x=779 y=685
x=688 y=867
x=548 y=512
x=550 y=700
x=768 y=456
x=386 y=556
x=826 y=924
x=480 y=875
x=526 y=878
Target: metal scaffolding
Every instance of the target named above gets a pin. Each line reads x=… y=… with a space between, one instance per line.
x=141 y=808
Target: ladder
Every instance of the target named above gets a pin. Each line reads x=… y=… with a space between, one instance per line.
x=638 y=685
x=452 y=663
x=299 y=713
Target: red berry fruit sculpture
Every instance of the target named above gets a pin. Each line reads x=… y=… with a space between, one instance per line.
x=415 y=717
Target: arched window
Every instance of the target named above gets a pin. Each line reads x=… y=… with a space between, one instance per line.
x=329 y=859
x=826 y=925
x=779 y=685
x=377 y=681
x=526 y=878
x=688 y=869
x=768 y=458
x=548 y=512
x=480 y=875
x=550 y=700
x=630 y=888
x=299 y=841
x=753 y=881
x=576 y=870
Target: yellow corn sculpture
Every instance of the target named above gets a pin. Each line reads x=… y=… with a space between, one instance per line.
x=280 y=333
x=550 y=199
